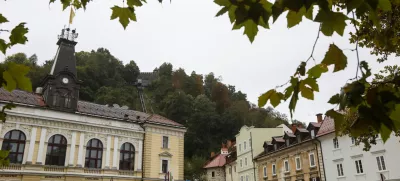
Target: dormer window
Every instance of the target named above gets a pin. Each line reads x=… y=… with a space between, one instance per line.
x=287 y=142
x=275 y=146
x=312 y=133
x=298 y=138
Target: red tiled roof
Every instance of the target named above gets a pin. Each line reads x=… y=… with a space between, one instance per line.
x=27 y=98
x=327 y=126
x=218 y=161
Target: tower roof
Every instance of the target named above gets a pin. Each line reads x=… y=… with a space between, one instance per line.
x=65 y=56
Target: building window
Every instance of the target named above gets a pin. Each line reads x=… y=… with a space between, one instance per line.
x=247 y=177
x=381 y=163
x=212 y=174
x=234 y=168
x=56 y=150
x=14 y=141
x=241 y=178
x=359 y=166
x=339 y=169
x=312 y=133
x=230 y=170
x=240 y=147
x=314 y=179
x=164 y=166
x=245 y=161
x=286 y=162
x=298 y=163
x=94 y=154
x=241 y=163
x=275 y=146
x=245 y=145
x=127 y=157
x=335 y=143
x=287 y=142
x=273 y=169
x=353 y=141
x=165 y=142
x=298 y=138
x=312 y=160
x=265 y=171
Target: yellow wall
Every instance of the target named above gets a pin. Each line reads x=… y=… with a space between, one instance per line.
x=152 y=159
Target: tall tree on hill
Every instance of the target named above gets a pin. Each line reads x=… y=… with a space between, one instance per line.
x=177 y=106
x=194 y=84
x=220 y=95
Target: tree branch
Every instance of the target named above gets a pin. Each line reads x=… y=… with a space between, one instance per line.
x=356 y=49
x=315 y=43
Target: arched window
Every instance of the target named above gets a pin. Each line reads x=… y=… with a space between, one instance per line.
x=14 y=141
x=127 y=157
x=94 y=154
x=56 y=150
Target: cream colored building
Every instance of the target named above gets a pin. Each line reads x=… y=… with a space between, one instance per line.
x=249 y=143
x=52 y=136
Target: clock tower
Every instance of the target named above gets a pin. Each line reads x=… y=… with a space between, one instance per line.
x=61 y=86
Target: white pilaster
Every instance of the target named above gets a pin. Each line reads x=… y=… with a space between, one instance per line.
x=1 y=133
x=72 y=150
x=108 y=152
x=115 y=154
x=80 y=151
x=39 y=159
x=140 y=155
x=31 y=146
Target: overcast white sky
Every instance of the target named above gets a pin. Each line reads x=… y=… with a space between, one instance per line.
x=187 y=34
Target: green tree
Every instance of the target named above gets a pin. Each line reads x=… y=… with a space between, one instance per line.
x=177 y=106
x=131 y=72
x=194 y=168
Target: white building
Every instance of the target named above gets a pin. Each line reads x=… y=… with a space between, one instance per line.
x=249 y=142
x=344 y=161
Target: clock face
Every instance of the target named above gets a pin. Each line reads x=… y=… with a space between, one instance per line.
x=65 y=80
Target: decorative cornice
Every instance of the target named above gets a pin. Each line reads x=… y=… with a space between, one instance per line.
x=165 y=131
x=68 y=126
x=165 y=154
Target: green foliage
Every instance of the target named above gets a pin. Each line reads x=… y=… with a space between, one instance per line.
x=15 y=77
x=335 y=57
x=194 y=168
x=4 y=157
x=18 y=35
x=383 y=37
x=273 y=96
x=124 y=14
x=331 y=22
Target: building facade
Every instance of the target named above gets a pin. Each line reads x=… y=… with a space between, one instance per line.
x=249 y=143
x=52 y=135
x=345 y=161
x=231 y=166
x=292 y=156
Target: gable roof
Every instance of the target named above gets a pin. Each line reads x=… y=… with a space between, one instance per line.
x=327 y=126
x=218 y=161
x=277 y=139
x=86 y=108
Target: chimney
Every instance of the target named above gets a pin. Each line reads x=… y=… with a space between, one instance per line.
x=212 y=154
x=293 y=128
x=228 y=143
x=319 y=118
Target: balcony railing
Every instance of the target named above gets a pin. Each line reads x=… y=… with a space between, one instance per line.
x=92 y=170
x=50 y=168
x=127 y=172
x=12 y=166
